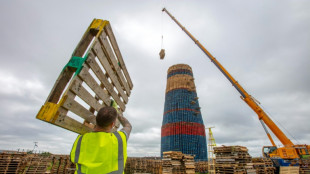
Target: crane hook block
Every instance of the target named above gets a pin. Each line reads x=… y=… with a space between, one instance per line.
x=162 y=54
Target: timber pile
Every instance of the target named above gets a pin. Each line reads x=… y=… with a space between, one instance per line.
x=201 y=166
x=36 y=164
x=263 y=165
x=233 y=159
x=189 y=164
x=173 y=162
x=21 y=162
x=170 y=158
x=304 y=166
x=177 y=162
x=143 y=165
x=10 y=162
x=289 y=170
x=62 y=164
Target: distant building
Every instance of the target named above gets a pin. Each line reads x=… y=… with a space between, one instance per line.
x=183 y=128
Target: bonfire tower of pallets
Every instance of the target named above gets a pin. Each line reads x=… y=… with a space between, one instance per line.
x=183 y=128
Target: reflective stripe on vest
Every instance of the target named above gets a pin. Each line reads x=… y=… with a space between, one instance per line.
x=120 y=155
x=77 y=155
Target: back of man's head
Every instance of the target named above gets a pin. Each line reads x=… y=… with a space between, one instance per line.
x=106 y=116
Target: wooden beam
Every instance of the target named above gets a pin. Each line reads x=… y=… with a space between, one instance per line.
x=113 y=60
x=78 y=109
x=98 y=51
x=80 y=91
x=83 y=45
x=60 y=85
x=69 y=123
x=91 y=82
x=103 y=79
x=109 y=32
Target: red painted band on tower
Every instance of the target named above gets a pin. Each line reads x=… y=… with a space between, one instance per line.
x=188 y=128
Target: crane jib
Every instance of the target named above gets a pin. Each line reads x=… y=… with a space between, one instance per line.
x=204 y=50
x=216 y=64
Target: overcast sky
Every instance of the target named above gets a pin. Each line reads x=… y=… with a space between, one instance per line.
x=264 y=44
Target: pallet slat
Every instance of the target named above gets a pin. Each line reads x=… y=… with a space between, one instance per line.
x=90 y=81
x=112 y=59
x=103 y=79
x=69 y=123
x=98 y=51
x=80 y=91
x=109 y=32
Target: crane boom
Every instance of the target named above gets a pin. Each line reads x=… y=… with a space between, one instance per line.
x=244 y=95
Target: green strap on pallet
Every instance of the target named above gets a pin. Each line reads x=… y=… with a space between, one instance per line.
x=77 y=63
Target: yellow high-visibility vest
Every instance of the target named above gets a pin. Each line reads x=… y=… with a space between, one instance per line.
x=100 y=153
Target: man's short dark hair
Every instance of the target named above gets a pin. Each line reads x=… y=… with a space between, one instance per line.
x=106 y=116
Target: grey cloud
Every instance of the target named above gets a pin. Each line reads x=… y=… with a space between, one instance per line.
x=263 y=44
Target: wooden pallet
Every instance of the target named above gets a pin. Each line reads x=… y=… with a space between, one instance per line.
x=201 y=166
x=224 y=149
x=263 y=165
x=289 y=170
x=62 y=164
x=95 y=75
x=11 y=162
x=233 y=159
x=36 y=164
x=143 y=165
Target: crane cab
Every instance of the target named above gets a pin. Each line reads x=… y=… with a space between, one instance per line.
x=281 y=152
x=283 y=156
x=268 y=151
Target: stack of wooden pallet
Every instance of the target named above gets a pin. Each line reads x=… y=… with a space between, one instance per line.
x=304 y=166
x=10 y=162
x=263 y=165
x=233 y=159
x=154 y=166
x=177 y=162
x=189 y=164
x=171 y=162
x=201 y=166
x=21 y=162
x=36 y=163
x=136 y=165
x=62 y=164
x=289 y=170
x=143 y=165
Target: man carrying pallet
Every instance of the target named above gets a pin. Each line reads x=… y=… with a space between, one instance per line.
x=102 y=151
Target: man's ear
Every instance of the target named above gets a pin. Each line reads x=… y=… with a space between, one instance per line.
x=113 y=124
